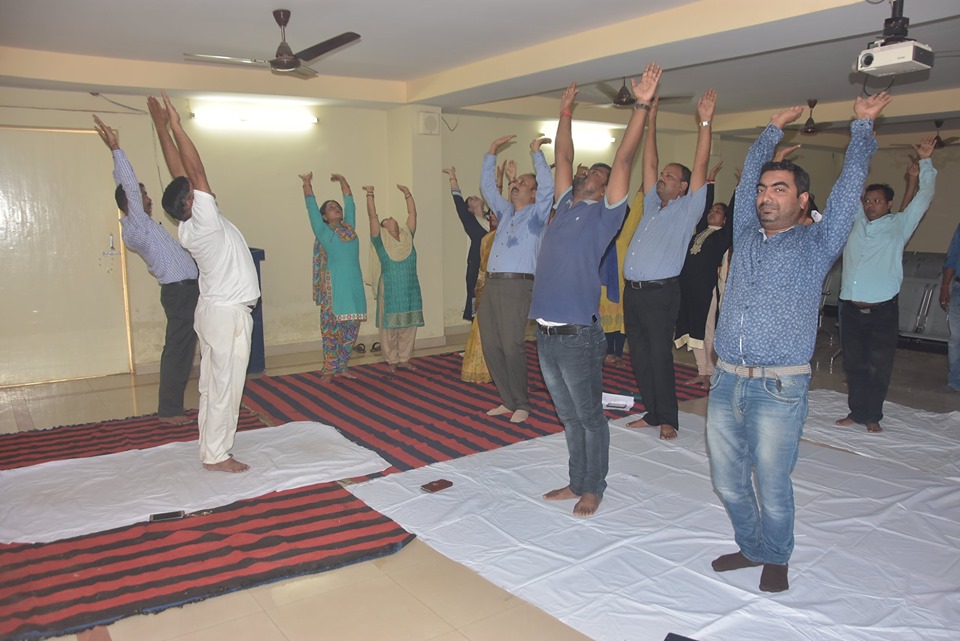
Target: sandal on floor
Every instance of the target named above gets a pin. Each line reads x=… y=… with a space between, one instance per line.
x=360 y=348
x=375 y=347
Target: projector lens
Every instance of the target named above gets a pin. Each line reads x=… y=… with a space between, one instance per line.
x=866 y=60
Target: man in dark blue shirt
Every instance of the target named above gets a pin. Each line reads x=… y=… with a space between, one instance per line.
x=566 y=294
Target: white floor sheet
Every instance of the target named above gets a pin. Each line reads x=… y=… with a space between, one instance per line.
x=876 y=554
x=103 y=492
x=915 y=438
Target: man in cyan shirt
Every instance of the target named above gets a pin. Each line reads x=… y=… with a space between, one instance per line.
x=510 y=268
x=869 y=290
x=229 y=289
x=566 y=295
x=672 y=206
x=174 y=270
x=765 y=337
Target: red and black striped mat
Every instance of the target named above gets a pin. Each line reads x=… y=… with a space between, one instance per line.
x=416 y=418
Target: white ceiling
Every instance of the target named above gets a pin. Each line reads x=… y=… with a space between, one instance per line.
x=758 y=67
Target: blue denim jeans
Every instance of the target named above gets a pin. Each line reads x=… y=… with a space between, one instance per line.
x=953 y=345
x=572 y=366
x=753 y=431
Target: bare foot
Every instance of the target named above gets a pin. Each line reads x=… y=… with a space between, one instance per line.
x=174 y=420
x=587 y=505
x=347 y=374
x=563 y=494
x=667 y=432
x=230 y=465
x=844 y=422
x=407 y=366
x=609 y=358
x=638 y=423
x=499 y=410
x=520 y=416
x=392 y=368
x=874 y=428
x=326 y=378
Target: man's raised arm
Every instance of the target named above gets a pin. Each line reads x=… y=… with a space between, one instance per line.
x=705 y=109
x=123 y=172
x=161 y=122
x=844 y=203
x=643 y=90
x=189 y=155
x=651 y=157
x=563 y=151
x=488 y=178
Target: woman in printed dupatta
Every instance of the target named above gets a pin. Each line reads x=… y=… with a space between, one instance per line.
x=337 y=280
x=397 y=288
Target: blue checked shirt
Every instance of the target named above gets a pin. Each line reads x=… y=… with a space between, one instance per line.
x=165 y=258
x=769 y=312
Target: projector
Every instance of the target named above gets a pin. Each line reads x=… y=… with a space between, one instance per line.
x=896 y=58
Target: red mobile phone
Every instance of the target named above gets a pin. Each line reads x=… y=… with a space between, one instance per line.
x=436 y=486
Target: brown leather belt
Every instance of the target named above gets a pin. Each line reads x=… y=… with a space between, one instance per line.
x=509 y=275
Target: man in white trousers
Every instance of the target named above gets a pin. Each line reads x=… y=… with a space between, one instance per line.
x=228 y=288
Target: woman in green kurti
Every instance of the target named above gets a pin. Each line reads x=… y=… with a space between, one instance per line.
x=399 y=305
x=337 y=280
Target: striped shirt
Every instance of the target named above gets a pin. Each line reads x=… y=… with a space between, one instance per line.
x=166 y=260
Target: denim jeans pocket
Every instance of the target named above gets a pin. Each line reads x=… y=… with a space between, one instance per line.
x=576 y=341
x=789 y=389
x=715 y=378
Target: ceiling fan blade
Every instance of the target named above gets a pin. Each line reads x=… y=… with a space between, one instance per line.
x=607 y=90
x=327 y=46
x=303 y=72
x=675 y=100
x=950 y=140
x=225 y=60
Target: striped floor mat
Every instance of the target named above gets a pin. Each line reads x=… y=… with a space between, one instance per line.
x=52 y=589
x=416 y=418
x=67 y=586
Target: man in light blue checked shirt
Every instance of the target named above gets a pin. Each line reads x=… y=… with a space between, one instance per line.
x=765 y=337
x=175 y=271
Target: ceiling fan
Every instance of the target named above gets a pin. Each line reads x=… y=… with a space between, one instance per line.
x=285 y=61
x=940 y=143
x=810 y=127
x=624 y=97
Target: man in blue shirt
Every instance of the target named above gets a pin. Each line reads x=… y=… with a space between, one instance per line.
x=652 y=266
x=950 y=291
x=566 y=295
x=502 y=318
x=174 y=270
x=869 y=307
x=766 y=334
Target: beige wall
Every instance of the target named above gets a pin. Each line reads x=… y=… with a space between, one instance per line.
x=255 y=178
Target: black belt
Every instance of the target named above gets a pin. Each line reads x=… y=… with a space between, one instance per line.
x=510 y=275
x=866 y=308
x=645 y=284
x=188 y=281
x=559 y=330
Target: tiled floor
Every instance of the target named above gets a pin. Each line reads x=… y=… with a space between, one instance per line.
x=415 y=594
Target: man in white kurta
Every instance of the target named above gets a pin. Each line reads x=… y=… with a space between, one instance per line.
x=229 y=289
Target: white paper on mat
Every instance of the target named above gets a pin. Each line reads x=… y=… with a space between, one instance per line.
x=875 y=557
x=67 y=498
x=617 y=402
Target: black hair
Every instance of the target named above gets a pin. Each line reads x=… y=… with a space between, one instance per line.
x=724 y=207
x=800 y=177
x=175 y=196
x=598 y=165
x=323 y=209
x=885 y=188
x=121 y=197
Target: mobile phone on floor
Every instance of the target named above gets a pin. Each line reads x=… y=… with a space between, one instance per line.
x=436 y=486
x=167 y=516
